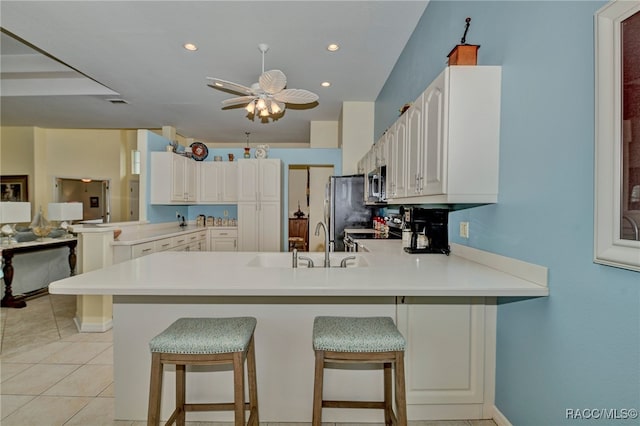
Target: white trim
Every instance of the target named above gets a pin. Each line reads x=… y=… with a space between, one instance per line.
x=527 y=271
x=92 y=327
x=609 y=248
x=500 y=418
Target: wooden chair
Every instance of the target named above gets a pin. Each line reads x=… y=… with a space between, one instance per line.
x=360 y=340
x=205 y=341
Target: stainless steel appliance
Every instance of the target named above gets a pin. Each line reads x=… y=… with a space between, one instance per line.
x=429 y=230
x=377 y=186
x=352 y=237
x=345 y=208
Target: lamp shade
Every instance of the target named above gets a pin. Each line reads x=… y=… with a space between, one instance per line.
x=15 y=212
x=64 y=211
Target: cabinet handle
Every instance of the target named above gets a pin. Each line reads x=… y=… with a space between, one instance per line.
x=165 y=245
x=223 y=233
x=146 y=250
x=235 y=243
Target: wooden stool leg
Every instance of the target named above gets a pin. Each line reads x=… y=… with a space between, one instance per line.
x=238 y=388
x=180 y=394
x=317 y=389
x=401 y=399
x=155 y=391
x=253 y=385
x=388 y=398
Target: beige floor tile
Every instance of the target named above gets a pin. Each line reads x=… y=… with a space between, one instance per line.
x=440 y=423
x=98 y=412
x=36 y=354
x=76 y=353
x=8 y=370
x=37 y=379
x=46 y=411
x=88 y=380
x=486 y=422
x=10 y=403
x=106 y=336
x=104 y=357
x=108 y=392
x=12 y=343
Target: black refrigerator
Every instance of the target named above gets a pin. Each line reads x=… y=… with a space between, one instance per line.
x=345 y=208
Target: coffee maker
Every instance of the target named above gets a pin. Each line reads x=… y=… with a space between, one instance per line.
x=429 y=230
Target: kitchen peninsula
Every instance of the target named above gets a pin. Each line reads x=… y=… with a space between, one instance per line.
x=152 y=291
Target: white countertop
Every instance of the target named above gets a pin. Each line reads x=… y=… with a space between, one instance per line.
x=130 y=238
x=389 y=272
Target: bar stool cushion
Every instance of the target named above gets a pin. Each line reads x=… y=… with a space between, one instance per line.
x=205 y=336
x=356 y=334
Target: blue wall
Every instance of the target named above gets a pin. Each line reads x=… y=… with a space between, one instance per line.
x=580 y=347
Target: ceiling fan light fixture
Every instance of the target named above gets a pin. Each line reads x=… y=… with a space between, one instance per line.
x=264 y=113
x=261 y=104
x=251 y=107
x=276 y=107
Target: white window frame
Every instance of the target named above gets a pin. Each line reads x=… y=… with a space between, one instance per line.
x=609 y=248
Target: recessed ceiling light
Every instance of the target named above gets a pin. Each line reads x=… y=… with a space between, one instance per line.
x=325 y=84
x=190 y=46
x=333 y=47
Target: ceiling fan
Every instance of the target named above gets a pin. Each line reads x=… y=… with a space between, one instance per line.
x=267 y=97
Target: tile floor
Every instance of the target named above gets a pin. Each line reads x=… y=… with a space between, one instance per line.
x=51 y=375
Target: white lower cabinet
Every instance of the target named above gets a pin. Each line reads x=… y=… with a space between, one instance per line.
x=449 y=362
x=223 y=240
x=259 y=226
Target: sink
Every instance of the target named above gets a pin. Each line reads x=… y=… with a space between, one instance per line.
x=284 y=260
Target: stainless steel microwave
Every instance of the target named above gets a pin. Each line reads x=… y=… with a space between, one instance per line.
x=377 y=186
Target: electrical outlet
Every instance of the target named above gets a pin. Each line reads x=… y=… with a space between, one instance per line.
x=464 y=229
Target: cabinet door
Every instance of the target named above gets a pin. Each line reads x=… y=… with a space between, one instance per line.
x=230 y=182
x=210 y=181
x=391 y=167
x=269 y=180
x=445 y=356
x=399 y=158
x=191 y=180
x=224 y=244
x=432 y=170
x=414 y=147
x=178 y=183
x=248 y=180
x=248 y=227
x=269 y=226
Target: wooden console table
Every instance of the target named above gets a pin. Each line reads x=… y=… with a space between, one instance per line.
x=9 y=300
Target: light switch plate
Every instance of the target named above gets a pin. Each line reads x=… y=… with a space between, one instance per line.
x=464 y=229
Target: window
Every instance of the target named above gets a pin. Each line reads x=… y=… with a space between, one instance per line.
x=617 y=127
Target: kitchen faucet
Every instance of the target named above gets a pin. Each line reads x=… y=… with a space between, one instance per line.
x=327 y=262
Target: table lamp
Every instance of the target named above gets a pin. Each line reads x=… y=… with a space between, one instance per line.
x=12 y=213
x=64 y=212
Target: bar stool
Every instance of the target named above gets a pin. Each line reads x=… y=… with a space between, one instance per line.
x=360 y=340
x=205 y=341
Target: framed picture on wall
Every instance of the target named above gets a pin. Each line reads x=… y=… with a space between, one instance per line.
x=14 y=188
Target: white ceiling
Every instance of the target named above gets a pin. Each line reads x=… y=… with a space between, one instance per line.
x=132 y=50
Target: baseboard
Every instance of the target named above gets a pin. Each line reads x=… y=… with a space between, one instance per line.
x=92 y=327
x=500 y=418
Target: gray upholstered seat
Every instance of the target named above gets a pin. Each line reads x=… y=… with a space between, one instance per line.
x=356 y=334
x=205 y=336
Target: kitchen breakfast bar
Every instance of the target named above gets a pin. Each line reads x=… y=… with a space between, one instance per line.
x=445 y=306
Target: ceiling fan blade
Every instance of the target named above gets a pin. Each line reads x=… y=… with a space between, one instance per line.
x=272 y=81
x=237 y=101
x=228 y=86
x=295 y=96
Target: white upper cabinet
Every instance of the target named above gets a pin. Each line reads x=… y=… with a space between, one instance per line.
x=445 y=147
x=174 y=179
x=218 y=182
x=259 y=180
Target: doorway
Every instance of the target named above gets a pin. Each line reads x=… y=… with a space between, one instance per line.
x=93 y=194
x=307 y=188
